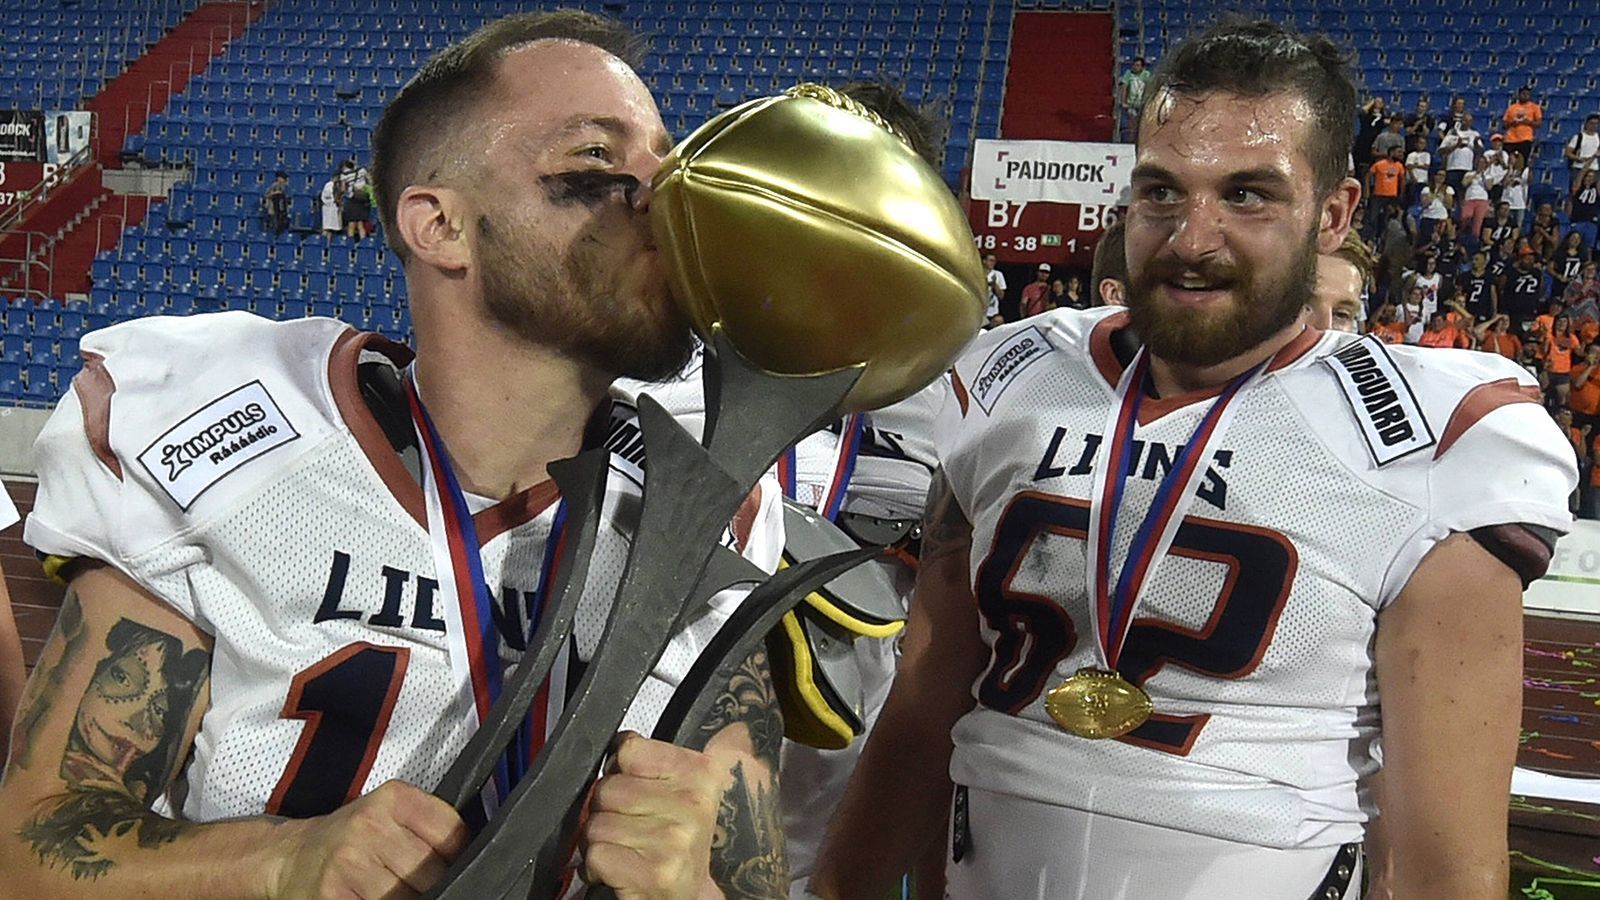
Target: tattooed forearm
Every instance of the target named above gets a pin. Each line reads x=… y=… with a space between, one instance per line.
x=749 y=698
x=946 y=530
x=747 y=859
x=122 y=750
x=46 y=681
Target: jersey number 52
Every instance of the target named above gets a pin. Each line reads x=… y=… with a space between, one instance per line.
x=1035 y=633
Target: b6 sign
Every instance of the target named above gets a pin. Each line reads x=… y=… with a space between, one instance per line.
x=1031 y=232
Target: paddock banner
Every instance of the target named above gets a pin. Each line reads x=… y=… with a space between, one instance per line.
x=1088 y=174
x=21 y=135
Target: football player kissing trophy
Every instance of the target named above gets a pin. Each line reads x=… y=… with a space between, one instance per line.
x=829 y=270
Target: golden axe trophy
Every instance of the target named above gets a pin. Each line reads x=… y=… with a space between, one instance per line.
x=829 y=270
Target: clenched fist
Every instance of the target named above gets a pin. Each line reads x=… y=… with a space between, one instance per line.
x=394 y=842
x=648 y=834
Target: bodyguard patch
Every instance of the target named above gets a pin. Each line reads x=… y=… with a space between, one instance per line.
x=1005 y=363
x=1390 y=419
x=215 y=440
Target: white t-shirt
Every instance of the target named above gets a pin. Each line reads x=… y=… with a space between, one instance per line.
x=1516 y=192
x=1417 y=163
x=1433 y=204
x=1477 y=186
x=997 y=289
x=1587 y=146
x=1494 y=174
x=1459 y=149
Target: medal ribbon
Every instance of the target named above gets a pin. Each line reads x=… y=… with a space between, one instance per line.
x=1113 y=608
x=468 y=604
x=844 y=467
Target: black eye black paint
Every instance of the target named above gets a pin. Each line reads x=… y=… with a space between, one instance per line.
x=587 y=187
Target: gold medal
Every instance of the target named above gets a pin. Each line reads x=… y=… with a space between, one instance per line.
x=1098 y=704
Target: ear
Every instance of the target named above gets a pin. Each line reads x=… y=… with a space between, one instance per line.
x=431 y=221
x=1110 y=292
x=1338 y=213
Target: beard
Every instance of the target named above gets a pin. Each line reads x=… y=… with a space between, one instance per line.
x=1259 y=309
x=578 y=302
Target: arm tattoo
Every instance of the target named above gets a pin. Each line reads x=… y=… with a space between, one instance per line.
x=46 y=682
x=123 y=749
x=747 y=858
x=749 y=699
x=946 y=530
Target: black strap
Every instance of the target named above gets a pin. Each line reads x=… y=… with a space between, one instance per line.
x=1336 y=884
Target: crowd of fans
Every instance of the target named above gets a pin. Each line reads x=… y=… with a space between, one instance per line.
x=1459 y=261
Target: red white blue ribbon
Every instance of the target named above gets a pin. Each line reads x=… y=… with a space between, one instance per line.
x=831 y=500
x=1112 y=608
x=473 y=641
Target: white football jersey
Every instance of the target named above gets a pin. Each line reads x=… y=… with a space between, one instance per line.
x=8 y=510
x=1254 y=637
x=229 y=465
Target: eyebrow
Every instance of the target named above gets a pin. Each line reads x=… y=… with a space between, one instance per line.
x=614 y=126
x=1258 y=175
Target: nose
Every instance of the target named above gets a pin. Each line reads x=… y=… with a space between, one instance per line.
x=1198 y=232
x=649 y=163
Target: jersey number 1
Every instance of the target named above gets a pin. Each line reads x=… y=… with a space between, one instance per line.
x=345 y=701
x=1035 y=634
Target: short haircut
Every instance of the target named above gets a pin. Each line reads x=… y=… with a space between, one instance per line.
x=916 y=125
x=1257 y=58
x=431 y=115
x=1110 y=257
x=1356 y=252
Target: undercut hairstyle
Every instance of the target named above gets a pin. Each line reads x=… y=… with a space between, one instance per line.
x=1110 y=259
x=1356 y=252
x=920 y=129
x=431 y=118
x=1257 y=58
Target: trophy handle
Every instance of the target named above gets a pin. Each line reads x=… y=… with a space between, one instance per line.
x=582 y=481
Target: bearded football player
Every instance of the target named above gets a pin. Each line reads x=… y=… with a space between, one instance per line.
x=1185 y=562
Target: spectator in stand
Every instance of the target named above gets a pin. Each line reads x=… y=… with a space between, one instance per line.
x=1583 y=207
x=1582 y=151
x=1394 y=250
x=1583 y=395
x=1477 y=289
x=1454 y=116
x=997 y=292
x=1523 y=293
x=1499 y=164
x=1389 y=140
x=1515 y=194
x=1109 y=279
x=1460 y=146
x=1069 y=295
x=1494 y=336
x=357 y=206
x=1566 y=264
x=1036 y=296
x=1438 y=199
x=1544 y=235
x=1418 y=162
x=1420 y=122
x=1384 y=180
x=1584 y=292
x=1130 y=94
x=1374 y=119
x=1429 y=281
x=1439 y=333
x=329 y=197
x=1387 y=325
x=1475 y=198
x=1559 y=345
x=275 y=204
x=1521 y=120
